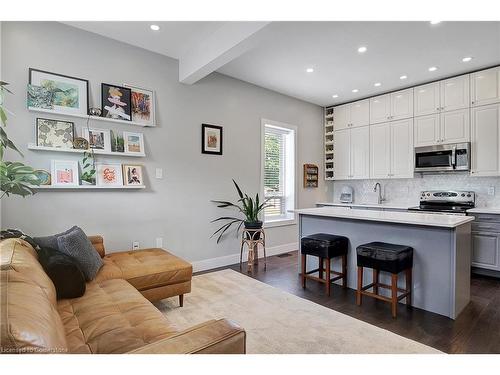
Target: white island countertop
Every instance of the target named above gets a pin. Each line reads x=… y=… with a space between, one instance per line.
x=384 y=205
x=412 y=218
x=484 y=210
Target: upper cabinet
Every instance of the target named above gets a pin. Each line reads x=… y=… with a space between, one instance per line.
x=485 y=140
x=352 y=153
x=390 y=107
x=447 y=95
x=485 y=87
x=442 y=128
x=352 y=115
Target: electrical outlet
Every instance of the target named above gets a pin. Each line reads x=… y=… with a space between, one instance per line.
x=491 y=190
x=159 y=242
x=135 y=245
x=159 y=173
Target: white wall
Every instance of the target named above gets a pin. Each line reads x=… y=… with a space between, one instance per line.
x=177 y=208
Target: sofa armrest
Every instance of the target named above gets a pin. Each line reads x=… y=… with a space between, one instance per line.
x=212 y=337
x=98 y=243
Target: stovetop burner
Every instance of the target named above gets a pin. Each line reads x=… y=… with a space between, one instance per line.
x=447 y=202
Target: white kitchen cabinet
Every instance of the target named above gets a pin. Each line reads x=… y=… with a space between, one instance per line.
x=485 y=87
x=352 y=115
x=391 y=149
x=447 y=95
x=352 y=153
x=485 y=140
x=426 y=98
x=486 y=250
x=454 y=93
x=390 y=107
x=442 y=128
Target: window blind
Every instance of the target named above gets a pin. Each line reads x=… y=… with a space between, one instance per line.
x=274 y=171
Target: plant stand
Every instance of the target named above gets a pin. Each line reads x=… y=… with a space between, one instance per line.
x=252 y=238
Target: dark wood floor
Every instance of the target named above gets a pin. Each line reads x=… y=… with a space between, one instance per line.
x=477 y=329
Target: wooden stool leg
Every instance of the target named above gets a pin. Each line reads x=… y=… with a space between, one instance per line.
x=375 y=281
x=181 y=300
x=328 y=282
x=303 y=271
x=344 y=271
x=408 y=286
x=320 y=267
x=360 y=285
x=394 y=294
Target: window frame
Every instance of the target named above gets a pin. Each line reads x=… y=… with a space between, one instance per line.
x=291 y=220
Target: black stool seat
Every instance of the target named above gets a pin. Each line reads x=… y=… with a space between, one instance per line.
x=385 y=256
x=324 y=245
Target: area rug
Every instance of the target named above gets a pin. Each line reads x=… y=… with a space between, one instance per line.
x=279 y=322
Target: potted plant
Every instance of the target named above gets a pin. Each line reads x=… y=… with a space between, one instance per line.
x=248 y=206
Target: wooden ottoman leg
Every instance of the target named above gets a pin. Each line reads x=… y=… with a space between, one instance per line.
x=360 y=285
x=328 y=281
x=375 y=281
x=321 y=263
x=181 y=300
x=303 y=271
x=344 y=271
x=394 y=294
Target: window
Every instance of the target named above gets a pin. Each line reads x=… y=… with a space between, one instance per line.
x=278 y=171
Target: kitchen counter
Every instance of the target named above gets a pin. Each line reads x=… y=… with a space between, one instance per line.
x=413 y=218
x=388 y=206
x=484 y=210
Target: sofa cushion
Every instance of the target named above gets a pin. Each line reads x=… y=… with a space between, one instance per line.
x=145 y=269
x=29 y=321
x=77 y=245
x=112 y=317
x=64 y=272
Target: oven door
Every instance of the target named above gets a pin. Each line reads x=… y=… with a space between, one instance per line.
x=442 y=158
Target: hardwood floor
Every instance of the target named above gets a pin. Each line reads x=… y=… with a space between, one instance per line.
x=477 y=329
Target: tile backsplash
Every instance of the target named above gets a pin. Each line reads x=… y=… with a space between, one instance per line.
x=408 y=190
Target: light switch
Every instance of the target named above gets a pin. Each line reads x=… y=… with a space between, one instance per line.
x=159 y=173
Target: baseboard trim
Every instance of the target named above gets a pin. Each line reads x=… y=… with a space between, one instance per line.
x=227 y=260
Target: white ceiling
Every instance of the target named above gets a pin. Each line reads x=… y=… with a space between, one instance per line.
x=286 y=49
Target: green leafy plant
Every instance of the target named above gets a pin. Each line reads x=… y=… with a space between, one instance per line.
x=15 y=177
x=248 y=206
x=88 y=167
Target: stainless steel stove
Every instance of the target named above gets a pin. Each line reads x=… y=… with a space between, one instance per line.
x=446 y=202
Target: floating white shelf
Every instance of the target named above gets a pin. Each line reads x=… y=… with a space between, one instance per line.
x=32 y=146
x=97 y=118
x=328 y=143
x=330 y=133
x=88 y=187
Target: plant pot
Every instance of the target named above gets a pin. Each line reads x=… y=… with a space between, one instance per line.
x=252 y=226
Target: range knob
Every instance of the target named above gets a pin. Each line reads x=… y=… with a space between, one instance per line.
x=468 y=195
x=428 y=194
x=463 y=195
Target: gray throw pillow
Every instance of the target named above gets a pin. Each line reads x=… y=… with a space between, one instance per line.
x=51 y=241
x=77 y=245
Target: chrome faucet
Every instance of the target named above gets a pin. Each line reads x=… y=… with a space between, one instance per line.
x=380 y=199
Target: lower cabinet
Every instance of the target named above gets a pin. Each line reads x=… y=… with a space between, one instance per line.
x=391 y=149
x=486 y=241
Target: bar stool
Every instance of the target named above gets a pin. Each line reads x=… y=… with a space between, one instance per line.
x=325 y=247
x=381 y=256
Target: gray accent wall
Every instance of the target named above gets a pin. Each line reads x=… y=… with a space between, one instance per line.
x=177 y=207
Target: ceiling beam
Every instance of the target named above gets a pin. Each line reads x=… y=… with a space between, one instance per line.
x=224 y=45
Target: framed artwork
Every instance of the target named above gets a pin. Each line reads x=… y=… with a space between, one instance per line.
x=211 y=139
x=39 y=97
x=43 y=176
x=133 y=142
x=143 y=105
x=109 y=174
x=70 y=95
x=115 y=102
x=54 y=133
x=99 y=139
x=64 y=173
x=132 y=175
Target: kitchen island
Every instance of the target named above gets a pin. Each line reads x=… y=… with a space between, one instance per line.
x=441 y=256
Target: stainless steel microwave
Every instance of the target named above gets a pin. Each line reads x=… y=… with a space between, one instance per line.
x=443 y=158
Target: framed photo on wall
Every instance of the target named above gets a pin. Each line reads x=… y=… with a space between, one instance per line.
x=65 y=173
x=115 y=102
x=69 y=94
x=132 y=175
x=99 y=139
x=211 y=139
x=143 y=105
x=54 y=133
x=133 y=142
x=109 y=174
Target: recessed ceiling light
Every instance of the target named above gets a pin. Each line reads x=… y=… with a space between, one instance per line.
x=154 y=27
x=403 y=77
x=309 y=70
x=434 y=22
x=377 y=84
x=362 y=49
x=467 y=59
x=335 y=96
x=433 y=68
x=355 y=90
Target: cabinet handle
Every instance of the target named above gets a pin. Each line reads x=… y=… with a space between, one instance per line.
x=437 y=109
x=473 y=102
